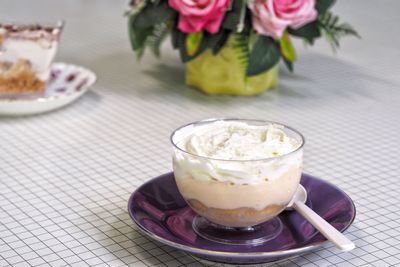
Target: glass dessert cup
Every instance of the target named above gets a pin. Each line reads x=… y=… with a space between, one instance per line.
x=230 y=209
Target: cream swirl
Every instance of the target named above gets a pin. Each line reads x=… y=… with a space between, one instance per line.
x=236 y=152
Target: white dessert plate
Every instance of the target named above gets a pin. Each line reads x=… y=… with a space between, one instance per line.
x=67 y=83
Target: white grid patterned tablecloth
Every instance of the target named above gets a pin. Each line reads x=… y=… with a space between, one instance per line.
x=65 y=176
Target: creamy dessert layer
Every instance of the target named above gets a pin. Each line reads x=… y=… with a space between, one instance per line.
x=237 y=174
x=227 y=195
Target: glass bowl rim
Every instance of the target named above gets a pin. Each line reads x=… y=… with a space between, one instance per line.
x=237 y=119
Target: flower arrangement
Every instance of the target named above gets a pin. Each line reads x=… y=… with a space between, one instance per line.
x=233 y=46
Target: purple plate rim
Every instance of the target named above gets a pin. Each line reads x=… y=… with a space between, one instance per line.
x=198 y=251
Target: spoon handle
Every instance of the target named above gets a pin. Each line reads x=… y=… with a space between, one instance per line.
x=336 y=237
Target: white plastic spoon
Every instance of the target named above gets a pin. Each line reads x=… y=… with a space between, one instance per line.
x=336 y=237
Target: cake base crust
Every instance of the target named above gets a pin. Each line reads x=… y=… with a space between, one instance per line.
x=240 y=217
x=19 y=78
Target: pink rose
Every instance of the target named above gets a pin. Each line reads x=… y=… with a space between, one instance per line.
x=196 y=15
x=272 y=17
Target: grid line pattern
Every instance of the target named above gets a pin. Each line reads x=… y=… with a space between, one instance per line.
x=66 y=176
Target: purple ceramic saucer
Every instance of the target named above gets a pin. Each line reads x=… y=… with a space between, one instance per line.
x=162 y=214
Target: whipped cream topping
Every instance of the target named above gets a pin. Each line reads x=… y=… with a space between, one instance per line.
x=239 y=141
x=230 y=146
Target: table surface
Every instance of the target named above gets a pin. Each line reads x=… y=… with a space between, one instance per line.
x=66 y=176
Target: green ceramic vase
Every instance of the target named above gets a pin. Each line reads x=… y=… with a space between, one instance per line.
x=224 y=74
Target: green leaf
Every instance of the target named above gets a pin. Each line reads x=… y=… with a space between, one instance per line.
x=192 y=43
x=332 y=40
x=264 y=55
x=309 y=32
x=217 y=41
x=288 y=64
x=153 y=14
x=138 y=36
x=241 y=46
x=145 y=27
x=333 y=31
x=181 y=44
x=323 y=5
x=175 y=37
x=157 y=36
x=232 y=17
x=287 y=50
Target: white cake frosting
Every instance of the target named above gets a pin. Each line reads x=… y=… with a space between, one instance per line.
x=236 y=152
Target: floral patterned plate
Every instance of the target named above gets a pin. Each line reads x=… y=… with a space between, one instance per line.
x=66 y=84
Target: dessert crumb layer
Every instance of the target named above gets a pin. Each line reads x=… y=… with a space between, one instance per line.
x=236 y=217
x=19 y=77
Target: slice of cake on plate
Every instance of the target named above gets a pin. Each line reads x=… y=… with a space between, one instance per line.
x=26 y=55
